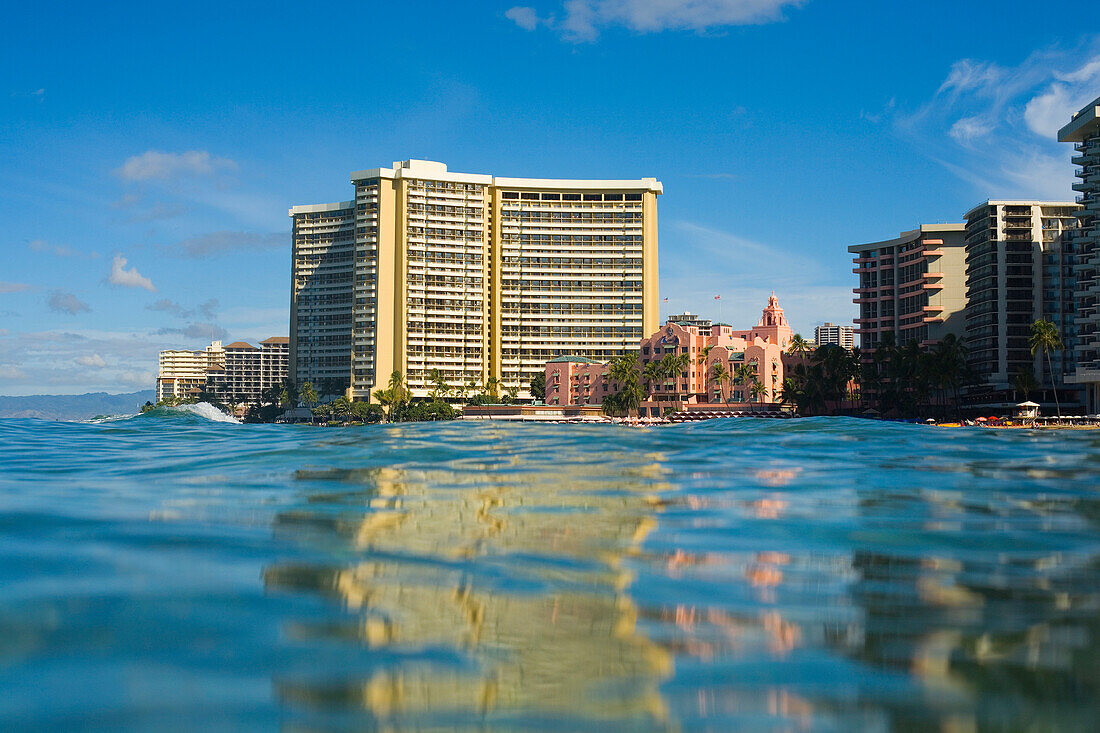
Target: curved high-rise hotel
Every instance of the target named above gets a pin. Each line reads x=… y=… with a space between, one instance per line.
x=478 y=276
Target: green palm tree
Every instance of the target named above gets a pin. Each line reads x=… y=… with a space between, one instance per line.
x=341 y=407
x=1025 y=382
x=1045 y=338
x=757 y=390
x=440 y=388
x=624 y=373
x=394 y=394
x=720 y=375
x=492 y=388
x=798 y=345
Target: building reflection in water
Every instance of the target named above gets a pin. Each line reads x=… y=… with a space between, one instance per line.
x=1004 y=637
x=484 y=594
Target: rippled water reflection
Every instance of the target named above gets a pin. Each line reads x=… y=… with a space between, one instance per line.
x=822 y=574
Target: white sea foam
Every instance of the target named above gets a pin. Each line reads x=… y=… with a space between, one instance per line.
x=207 y=410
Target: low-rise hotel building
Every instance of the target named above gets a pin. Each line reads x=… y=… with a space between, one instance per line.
x=1019 y=269
x=237 y=373
x=475 y=275
x=1083 y=130
x=184 y=373
x=746 y=357
x=912 y=286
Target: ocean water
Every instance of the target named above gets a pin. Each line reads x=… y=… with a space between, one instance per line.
x=173 y=572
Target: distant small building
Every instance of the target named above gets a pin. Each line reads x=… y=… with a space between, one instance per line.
x=237 y=373
x=575 y=380
x=183 y=373
x=831 y=333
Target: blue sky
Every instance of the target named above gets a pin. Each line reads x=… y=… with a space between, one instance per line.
x=149 y=152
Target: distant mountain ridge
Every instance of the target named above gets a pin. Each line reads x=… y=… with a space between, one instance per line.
x=75 y=406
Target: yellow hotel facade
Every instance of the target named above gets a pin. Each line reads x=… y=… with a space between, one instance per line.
x=475 y=275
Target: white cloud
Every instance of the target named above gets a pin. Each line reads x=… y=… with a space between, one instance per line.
x=136 y=378
x=128 y=278
x=1046 y=113
x=211 y=331
x=969 y=129
x=94 y=361
x=526 y=18
x=67 y=303
x=46 y=359
x=61 y=250
x=158 y=165
x=995 y=127
x=10 y=372
x=584 y=19
x=14 y=287
x=803 y=285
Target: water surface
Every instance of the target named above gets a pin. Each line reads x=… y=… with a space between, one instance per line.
x=170 y=572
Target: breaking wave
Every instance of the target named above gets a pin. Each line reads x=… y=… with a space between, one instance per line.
x=198 y=409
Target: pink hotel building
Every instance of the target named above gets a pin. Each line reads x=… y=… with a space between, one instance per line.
x=578 y=381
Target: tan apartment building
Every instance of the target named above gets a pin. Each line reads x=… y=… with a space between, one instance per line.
x=250 y=370
x=912 y=286
x=478 y=276
x=1019 y=269
x=237 y=373
x=183 y=373
x=1083 y=131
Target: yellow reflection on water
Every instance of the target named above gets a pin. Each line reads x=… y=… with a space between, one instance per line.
x=522 y=575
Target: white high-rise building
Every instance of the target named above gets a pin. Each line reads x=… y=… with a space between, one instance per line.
x=831 y=333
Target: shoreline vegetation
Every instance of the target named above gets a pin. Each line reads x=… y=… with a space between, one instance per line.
x=907 y=383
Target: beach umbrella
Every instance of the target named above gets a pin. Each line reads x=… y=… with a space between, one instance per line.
x=930 y=420
x=979 y=419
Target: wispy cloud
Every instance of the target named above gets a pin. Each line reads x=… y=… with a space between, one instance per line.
x=60 y=302
x=93 y=361
x=61 y=250
x=996 y=126
x=803 y=285
x=225 y=242
x=42 y=361
x=211 y=331
x=159 y=165
x=207 y=309
x=131 y=278
x=38 y=95
x=6 y=287
x=526 y=18
x=583 y=20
